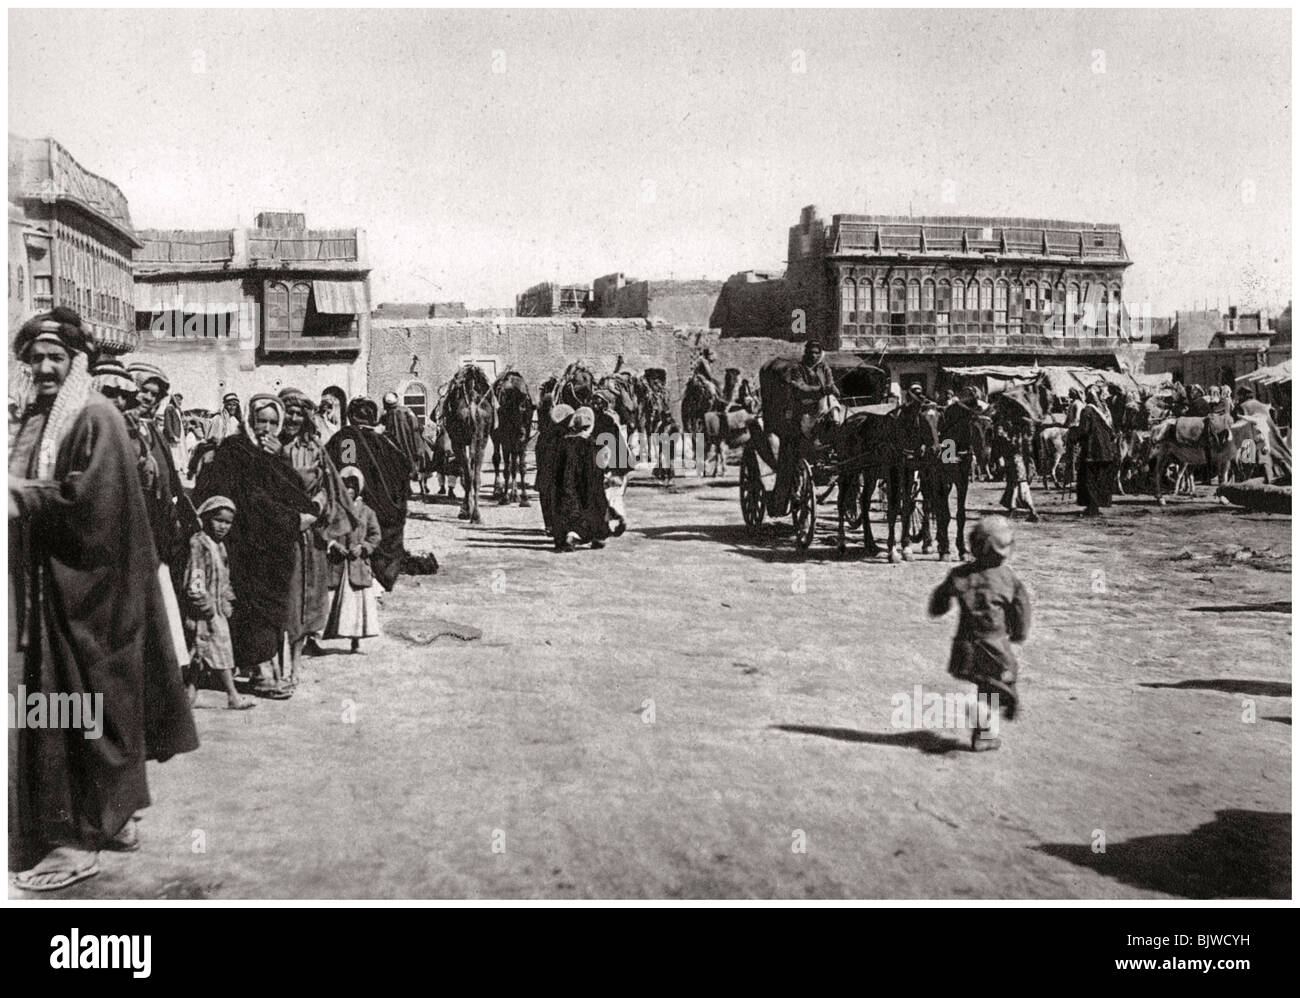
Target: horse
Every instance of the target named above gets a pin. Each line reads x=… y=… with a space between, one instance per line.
x=1184 y=440
x=510 y=438
x=958 y=434
x=874 y=447
x=467 y=418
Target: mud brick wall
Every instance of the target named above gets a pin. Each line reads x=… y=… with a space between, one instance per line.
x=429 y=352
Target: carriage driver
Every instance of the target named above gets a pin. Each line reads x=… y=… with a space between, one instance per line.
x=817 y=376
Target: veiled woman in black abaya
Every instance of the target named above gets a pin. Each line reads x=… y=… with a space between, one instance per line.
x=363 y=444
x=272 y=510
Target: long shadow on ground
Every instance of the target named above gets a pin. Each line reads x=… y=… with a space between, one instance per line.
x=1277 y=606
x=1240 y=854
x=1246 y=687
x=923 y=741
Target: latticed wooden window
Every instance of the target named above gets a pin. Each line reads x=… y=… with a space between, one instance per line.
x=847 y=296
x=913 y=296
x=958 y=296
x=276 y=311
x=864 y=296
x=927 y=296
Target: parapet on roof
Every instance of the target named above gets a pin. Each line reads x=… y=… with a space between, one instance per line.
x=975 y=236
x=42 y=169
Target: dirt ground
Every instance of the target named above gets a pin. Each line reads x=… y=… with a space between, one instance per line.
x=696 y=712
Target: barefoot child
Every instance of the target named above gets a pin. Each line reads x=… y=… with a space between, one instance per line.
x=354 y=609
x=209 y=600
x=994 y=613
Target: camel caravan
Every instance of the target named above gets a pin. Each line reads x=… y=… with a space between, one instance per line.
x=834 y=423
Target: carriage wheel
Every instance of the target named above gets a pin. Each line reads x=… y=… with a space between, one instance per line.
x=753 y=506
x=803 y=506
x=916 y=525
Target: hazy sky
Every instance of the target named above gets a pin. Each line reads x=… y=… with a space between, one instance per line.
x=485 y=151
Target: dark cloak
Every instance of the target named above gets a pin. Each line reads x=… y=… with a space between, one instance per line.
x=388 y=474
x=172 y=520
x=580 y=504
x=549 y=438
x=402 y=427
x=89 y=617
x=1098 y=455
x=268 y=497
x=310 y=583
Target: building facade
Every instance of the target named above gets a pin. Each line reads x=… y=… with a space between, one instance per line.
x=254 y=309
x=919 y=294
x=70 y=243
x=674 y=302
x=547 y=299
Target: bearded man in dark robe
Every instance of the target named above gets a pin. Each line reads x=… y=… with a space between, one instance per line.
x=364 y=444
x=309 y=589
x=271 y=510
x=87 y=626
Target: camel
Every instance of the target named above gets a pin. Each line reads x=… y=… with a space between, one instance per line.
x=467 y=418
x=662 y=434
x=510 y=439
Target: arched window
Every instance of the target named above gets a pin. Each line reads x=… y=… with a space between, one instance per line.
x=927 y=296
x=1116 y=319
x=1031 y=296
x=299 y=296
x=986 y=296
x=1103 y=314
x=1072 y=305
x=914 y=295
x=897 y=295
x=864 y=296
x=881 y=300
x=1059 y=319
x=276 y=308
x=416 y=398
x=847 y=292
x=958 y=296
x=943 y=305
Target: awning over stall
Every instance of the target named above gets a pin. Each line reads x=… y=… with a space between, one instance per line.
x=1276 y=374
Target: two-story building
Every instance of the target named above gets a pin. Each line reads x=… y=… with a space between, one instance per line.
x=254 y=309
x=70 y=243
x=921 y=294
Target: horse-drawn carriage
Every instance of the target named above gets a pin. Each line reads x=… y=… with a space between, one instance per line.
x=791 y=453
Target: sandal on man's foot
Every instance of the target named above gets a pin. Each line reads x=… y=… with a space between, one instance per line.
x=240 y=703
x=61 y=868
x=272 y=692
